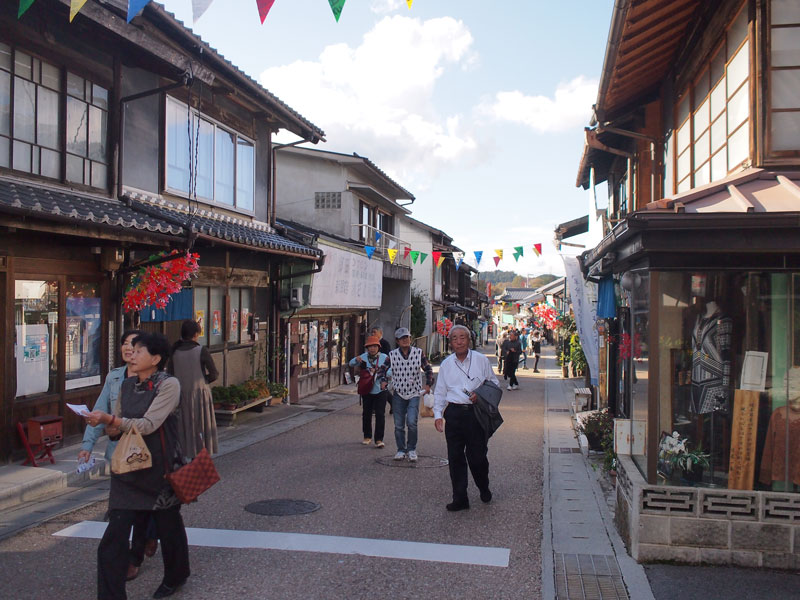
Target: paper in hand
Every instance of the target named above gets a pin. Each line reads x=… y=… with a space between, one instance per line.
x=79 y=409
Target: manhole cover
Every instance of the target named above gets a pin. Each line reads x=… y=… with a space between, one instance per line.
x=423 y=462
x=282 y=507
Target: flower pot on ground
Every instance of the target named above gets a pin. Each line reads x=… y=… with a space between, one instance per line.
x=278 y=391
x=598 y=427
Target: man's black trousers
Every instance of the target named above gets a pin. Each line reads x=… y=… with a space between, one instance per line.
x=466 y=446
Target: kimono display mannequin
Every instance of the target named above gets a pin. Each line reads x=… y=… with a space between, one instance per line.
x=711 y=366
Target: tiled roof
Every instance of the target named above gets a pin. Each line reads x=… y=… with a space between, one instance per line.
x=231 y=229
x=51 y=203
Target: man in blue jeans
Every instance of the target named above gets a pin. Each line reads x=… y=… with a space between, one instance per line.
x=406 y=362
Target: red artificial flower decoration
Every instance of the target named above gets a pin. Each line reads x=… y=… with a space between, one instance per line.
x=156 y=284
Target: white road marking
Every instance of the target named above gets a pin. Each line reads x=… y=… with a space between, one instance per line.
x=303 y=542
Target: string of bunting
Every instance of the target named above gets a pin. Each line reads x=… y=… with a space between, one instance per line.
x=199 y=7
x=439 y=257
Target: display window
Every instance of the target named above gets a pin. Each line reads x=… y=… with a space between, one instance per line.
x=323 y=346
x=728 y=379
x=36 y=309
x=84 y=328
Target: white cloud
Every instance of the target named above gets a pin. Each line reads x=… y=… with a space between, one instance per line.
x=385 y=6
x=377 y=99
x=570 y=107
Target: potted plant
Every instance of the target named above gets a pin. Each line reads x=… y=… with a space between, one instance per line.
x=278 y=390
x=576 y=355
x=598 y=427
x=677 y=460
x=222 y=397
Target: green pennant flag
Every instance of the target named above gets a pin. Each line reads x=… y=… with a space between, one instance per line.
x=336 y=7
x=518 y=250
x=422 y=257
x=414 y=256
x=23 y=6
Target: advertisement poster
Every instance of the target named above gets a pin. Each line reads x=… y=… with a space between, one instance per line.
x=216 y=323
x=33 y=353
x=234 y=325
x=200 y=317
x=245 y=322
x=349 y=279
x=83 y=342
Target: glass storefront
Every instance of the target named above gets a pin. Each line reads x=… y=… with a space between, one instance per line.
x=728 y=378
x=36 y=330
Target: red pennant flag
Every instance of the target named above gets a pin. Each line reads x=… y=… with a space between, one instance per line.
x=263 y=8
x=436 y=256
x=406 y=251
x=496 y=260
x=538 y=249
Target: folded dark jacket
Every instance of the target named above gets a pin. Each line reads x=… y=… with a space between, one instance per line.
x=486 y=408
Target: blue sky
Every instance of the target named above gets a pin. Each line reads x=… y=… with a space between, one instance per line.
x=478 y=111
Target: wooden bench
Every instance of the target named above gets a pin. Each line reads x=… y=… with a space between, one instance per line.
x=227 y=417
x=583 y=397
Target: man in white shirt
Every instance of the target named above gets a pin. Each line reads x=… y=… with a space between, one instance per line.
x=459 y=375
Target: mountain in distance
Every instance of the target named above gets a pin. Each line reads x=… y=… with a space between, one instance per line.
x=501 y=280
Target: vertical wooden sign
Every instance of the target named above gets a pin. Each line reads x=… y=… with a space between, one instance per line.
x=743 y=440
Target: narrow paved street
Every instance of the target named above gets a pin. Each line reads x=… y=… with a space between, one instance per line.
x=363 y=496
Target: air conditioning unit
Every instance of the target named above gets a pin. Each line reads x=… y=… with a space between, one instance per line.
x=296 y=297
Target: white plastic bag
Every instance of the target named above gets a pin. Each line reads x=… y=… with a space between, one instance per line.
x=427 y=400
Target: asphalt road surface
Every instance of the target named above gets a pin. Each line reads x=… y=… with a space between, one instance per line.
x=361 y=500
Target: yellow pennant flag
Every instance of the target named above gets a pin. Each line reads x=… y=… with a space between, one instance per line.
x=409 y=2
x=499 y=253
x=392 y=254
x=74 y=8
x=440 y=261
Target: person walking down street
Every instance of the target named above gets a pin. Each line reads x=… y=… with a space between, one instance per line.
x=536 y=347
x=377 y=364
x=406 y=362
x=499 y=343
x=192 y=364
x=378 y=333
x=460 y=374
x=524 y=339
x=148 y=401
x=512 y=350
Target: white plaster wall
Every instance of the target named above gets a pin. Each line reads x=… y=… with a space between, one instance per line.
x=422 y=274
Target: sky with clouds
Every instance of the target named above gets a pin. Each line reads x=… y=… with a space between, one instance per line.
x=476 y=110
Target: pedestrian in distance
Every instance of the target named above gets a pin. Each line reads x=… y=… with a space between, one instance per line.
x=192 y=364
x=378 y=333
x=406 y=362
x=376 y=363
x=524 y=338
x=460 y=374
x=512 y=350
x=149 y=401
x=536 y=347
x=499 y=348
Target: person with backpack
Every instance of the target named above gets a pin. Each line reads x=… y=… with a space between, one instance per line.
x=373 y=380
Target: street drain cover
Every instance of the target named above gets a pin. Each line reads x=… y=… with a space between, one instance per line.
x=423 y=462
x=282 y=507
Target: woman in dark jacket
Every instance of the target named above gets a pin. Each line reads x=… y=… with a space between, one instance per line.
x=192 y=364
x=149 y=401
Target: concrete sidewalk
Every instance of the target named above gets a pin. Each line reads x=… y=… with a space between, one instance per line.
x=583 y=557
x=30 y=495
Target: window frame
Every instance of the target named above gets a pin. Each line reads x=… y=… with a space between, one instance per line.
x=225 y=316
x=776 y=156
x=217 y=125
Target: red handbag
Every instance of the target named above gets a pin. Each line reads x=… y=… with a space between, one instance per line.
x=193 y=479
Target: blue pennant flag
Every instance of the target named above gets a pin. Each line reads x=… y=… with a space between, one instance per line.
x=378 y=236
x=370 y=250
x=478 y=256
x=135 y=7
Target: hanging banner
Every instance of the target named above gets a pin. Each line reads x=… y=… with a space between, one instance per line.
x=23 y=6
x=349 y=280
x=422 y=257
x=409 y=2
x=478 y=255
x=392 y=254
x=263 y=8
x=336 y=7
x=135 y=7
x=440 y=261
x=378 y=236
x=406 y=252
x=74 y=8
x=414 y=256
x=436 y=255
x=370 y=250
x=496 y=260
x=537 y=248
x=499 y=254
x=585 y=313
x=199 y=7
x=518 y=252
x=459 y=258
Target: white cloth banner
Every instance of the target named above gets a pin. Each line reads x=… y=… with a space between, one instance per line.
x=584 y=306
x=199 y=7
x=348 y=280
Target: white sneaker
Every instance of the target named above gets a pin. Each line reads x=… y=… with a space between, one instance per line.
x=509 y=387
x=516 y=387
x=399 y=456
x=412 y=455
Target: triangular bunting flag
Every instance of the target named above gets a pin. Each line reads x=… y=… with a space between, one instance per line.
x=422 y=257
x=496 y=260
x=414 y=256
x=440 y=261
x=23 y=6
x=516 y=257
x=409 y=2
x=459 y=258
x=135 y=7
x=392 y=244
x=406 y=250
x=436 y=256
x=519 y=250
x=199 y=7
x=263 y=8
x=478 y=255
x=392 y=254
x=370 y=250
x=336 y=7
x=74 y=7
x=537 y=248
x=499 y=253
x=378 y=236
